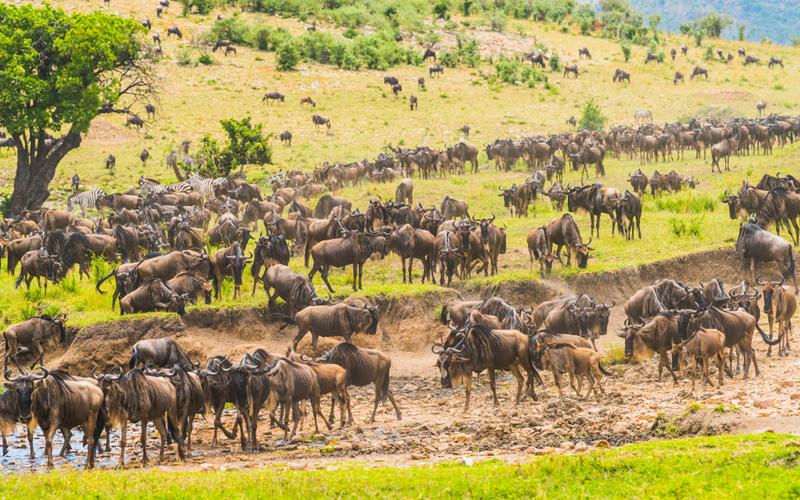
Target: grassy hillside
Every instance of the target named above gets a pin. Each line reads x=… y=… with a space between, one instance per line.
x=365 y=116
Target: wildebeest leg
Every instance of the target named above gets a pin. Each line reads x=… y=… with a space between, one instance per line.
x=48 y=442
x=188 y=431
x=162 y=431
x=493 y=386
x=300 y=334
x=38 y=347
x=514 y=368
x=326 y=268
x=30 y=443
x=467 y=391
x=295 y=417
x=66 y=448
x=557 y=378
x=572 y=378
x=771 y=319
x=122 y=433
x=705 y=371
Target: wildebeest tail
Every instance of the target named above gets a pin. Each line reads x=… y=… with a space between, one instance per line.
x=789 y=270
x=97 y=287
x=98 y=429
x=384 y=389
x=287 y=319
x=443 y=315
x=134 y=359
x=172 y=428
x=21 y=275
x=603 y=370
x=766 y=338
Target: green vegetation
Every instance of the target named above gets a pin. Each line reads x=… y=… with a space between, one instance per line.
x=762 y=465
x=247 y=145
x=592 y=118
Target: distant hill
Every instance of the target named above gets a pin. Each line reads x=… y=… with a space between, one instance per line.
x=777 y=19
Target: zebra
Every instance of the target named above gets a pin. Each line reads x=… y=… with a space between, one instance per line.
x=85 y=200
x=148 y=186
x=204 y=186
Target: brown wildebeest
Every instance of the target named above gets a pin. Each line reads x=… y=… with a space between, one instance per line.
x=289 y=384
x=704 y=344
x=31 y=334
x=37 y=264
x=55 y=220
x=229 y=261
x=698 y=71
x=413 y=102
x=780 y=305
x=150 y=110
x=761 y=106
x=410 y=243
x=229 y=49
x=678 y=76
x=435 y=69
x=294 y=288
x=421 y=82
x=465 y=130
x=17 y=248
x=539 y=248
x=321 y=120
x=572 y=122
x=340 y=320
x=571 y=68
x=272 y=96
x=152 y=296
x=286 y=138
x=563 y=232
x=775 y=61
x=174 y=30
x=308 y=100
x=137 y=397
x=657 y=335
x=220 y=44
x=332 y=380
x=751 y=60
x=563 y=357
x=429 y=53
x=723 y=149
x=80 y=247
x=684 y=50
x=622 y=75
x=397 y=88
x=673 y=53
x=144 y=155
x=509 y=350
x=584 y=52
x=651 y=57
x=57 y=400
x=364 y=367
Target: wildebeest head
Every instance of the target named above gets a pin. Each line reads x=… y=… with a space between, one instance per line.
x=485 y=226
x=689 y=321
x=60 y=324
x=450 y=360
x=769 y=292
x=581 y=314
x=373 y=314
x=507 y=194
x=629 y=332
x=582 y=252
x=603 y=313
x=240 y=374
x=237 y=261
x=732 y=200
x=25 y=383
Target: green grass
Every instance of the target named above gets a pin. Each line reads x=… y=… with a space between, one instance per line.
x=750 y=466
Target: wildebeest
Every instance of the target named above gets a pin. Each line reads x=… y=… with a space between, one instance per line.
x=780 y=305
x=413 y=102
x=678 y=76
x=31 y=334
x=704 y=344
x=294 y=288
x=584 y=52
x=390 y=80
x=189 y=286
x=79 y=248
x=453 y=209
x=622 y=75
x=404 y=192
x=229 y=261
x=432 y=70
x=429 y=53
x=699 y=70
x=340 y=320
x=321 y=120
x=286 y=137
x=272 y=96
x=628 y=211
x=657 y=335
x=173 y=30
x=571 y=68
x=364 y=367
x=595 y=199
x=220 y=44
x=492 y=240
x=673 y=53
x=684 y=50
x=38 y=264
x=421 y=82
x=775 y=61
x=55 y=400
x=761 y=106
x=484 y=349
x=55 y=220
x=564 y=357
x=409 y=243
x=188 y=395
x=751 y=60
x=724 y=150
x=651 y=57
x=539 y=248
x=564 y=232
x=397 y=89
x=153 y=295
x=137 y=397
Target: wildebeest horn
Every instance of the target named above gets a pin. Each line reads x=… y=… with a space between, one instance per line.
x=433 y=348
x=613 y=303
x=40 y=377
x=758 y=280
x=11 y=379
x=94 y=375
x=778 y=283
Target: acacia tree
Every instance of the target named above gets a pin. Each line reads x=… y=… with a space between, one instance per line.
x=57 y=73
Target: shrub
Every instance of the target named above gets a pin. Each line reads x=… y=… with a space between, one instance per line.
x=531 y=74
x=448 y=59
x=554 y=62
x=592 y=118
x=287 y=55
x=498 y=22
x=796 y=41
x=740 y=32
x=626 y=49
x=229 y=28
x=680 y=228
x=709 y=54
x=585 y=25
x=699 y=34
x=507 y=70
x=450 y=25
x=184 y=56
x=661 y=57
x=203 y=7
x=205 y=59
x=261 y=37
x=342 y=55
x=441 y=11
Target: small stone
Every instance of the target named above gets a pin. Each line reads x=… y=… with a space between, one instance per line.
x=461 y=438
x=619 y=428
x=320 y=438
x=530 y=450
x=206 y=467
x=545 y=451
x=296 y=466
x=581 y=447
x=465 y=461
x=567 y=445
x=764 y=403
x=765 y=430
x=331 y=468
x=409 y=388
x=418 y=456
x=297 y=438
x=603 y=444
x=344 y=446
x=795 y=397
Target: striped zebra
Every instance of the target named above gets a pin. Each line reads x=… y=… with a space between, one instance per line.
x=204 y=186
x=84 y=200
x=147 y=186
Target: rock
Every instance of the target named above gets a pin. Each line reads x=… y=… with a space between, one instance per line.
x=567 y=445
x=208 y=467
x=465 y=461
x=603 y=444
x=580 y=447
x=297 y=438
x=764 y=403
x=461 y=438
x=795 y=397
x=344 y=446
x=370 y=435
x=331 y=468
x=320 y=438
x=409 y=388
x=296 y=466
x=619 y=428
x=764 y=431
x=545 y=451
x=418 y=456
x=530 y=451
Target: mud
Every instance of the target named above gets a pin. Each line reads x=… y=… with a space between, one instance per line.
x=636 y=406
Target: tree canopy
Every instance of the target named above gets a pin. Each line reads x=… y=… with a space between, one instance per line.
x=56 y=72
x=247 y=145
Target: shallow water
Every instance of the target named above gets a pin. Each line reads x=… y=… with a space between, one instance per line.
x=18 y=459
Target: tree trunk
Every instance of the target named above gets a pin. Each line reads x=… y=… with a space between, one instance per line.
x=36 y=166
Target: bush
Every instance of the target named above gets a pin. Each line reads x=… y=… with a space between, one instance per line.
x=709 y=54
x=585 y=25
x=261 y=37
x=229 y=28
x=592 y=118
x=451 y=25
x=287 y=55
x=342 y=55
x=448 y=59
x=507 y=70
x=203 y=7
x=205 y=59
x=350 y=33
x=740 y=32
x=680 y=228
x=184 y=56
x=796 y=41
x=699 y=34
x=498 y=22
x=441 y=11
x=626 y=49
x=554 y=62
x=661 y=57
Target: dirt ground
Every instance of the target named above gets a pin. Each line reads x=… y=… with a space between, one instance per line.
x=434 y=427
